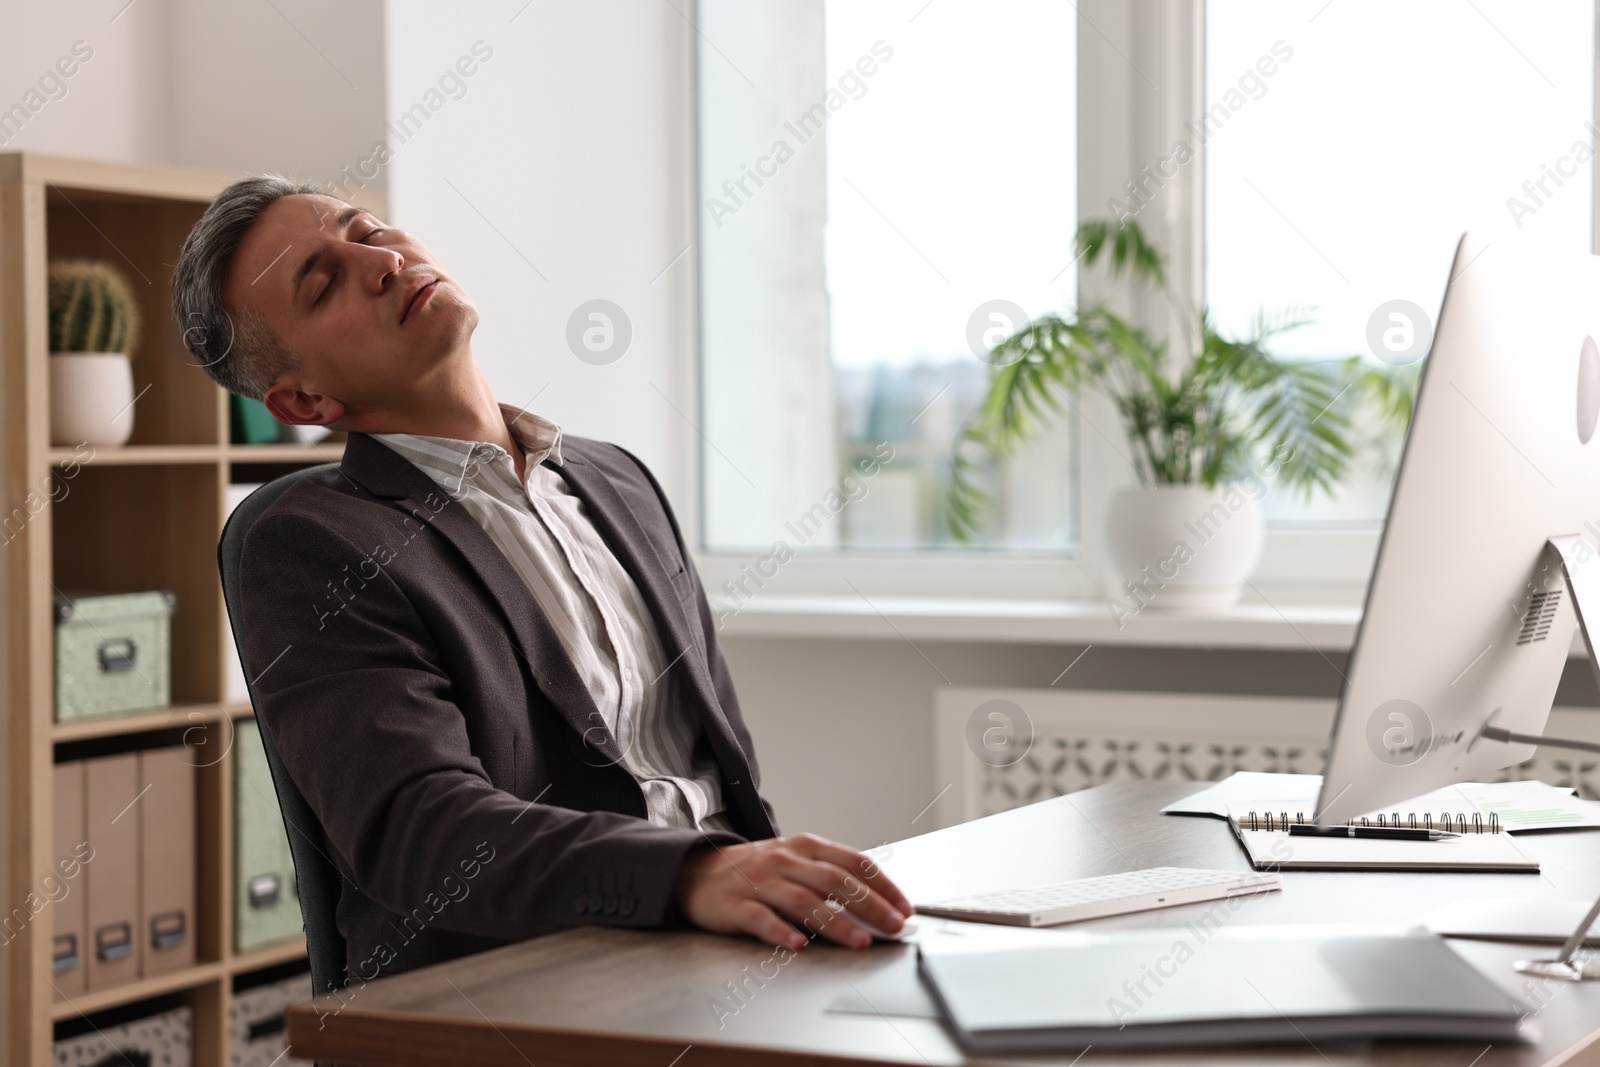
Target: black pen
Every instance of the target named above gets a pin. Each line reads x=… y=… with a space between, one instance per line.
x=1394 y=833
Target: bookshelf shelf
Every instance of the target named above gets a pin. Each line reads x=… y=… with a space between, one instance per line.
x=147 y=515
x=180 y=715
x=200 y=975
x=321 y=452
x=159 y=455
x=270 y=956
x=86 y=1003
x=135 y=455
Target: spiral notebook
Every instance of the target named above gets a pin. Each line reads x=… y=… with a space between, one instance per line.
x=1484 y=844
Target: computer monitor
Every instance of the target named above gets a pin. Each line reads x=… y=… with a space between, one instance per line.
x=1470 y=612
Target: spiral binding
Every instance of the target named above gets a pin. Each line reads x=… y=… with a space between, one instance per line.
x=1459 y=822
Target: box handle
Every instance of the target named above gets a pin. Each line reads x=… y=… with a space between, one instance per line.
x=114 y=941
x=169 y=929
x=64 y=952
x=117 y=660
x=133 y=1056
x=268 y=1027
x=264 y=890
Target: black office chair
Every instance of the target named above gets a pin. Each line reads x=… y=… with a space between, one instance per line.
x=316 y=878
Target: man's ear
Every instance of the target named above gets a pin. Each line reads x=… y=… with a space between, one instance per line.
x=296 y=408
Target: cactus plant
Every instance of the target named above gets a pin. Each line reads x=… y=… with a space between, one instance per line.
x=92 y=308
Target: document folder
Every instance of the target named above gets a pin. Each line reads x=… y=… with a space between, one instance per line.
x=166 y=859
x=112 y=877
x=1232 y=985
x=67 y=915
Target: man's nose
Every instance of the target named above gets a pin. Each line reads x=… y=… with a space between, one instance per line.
x=377 y=264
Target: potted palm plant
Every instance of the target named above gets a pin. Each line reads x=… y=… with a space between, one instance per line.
x=1207 y=435
x=94 y=330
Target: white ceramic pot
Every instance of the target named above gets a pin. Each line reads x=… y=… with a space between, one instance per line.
x=1183 y=547
x=91 y=398
x=308 y=435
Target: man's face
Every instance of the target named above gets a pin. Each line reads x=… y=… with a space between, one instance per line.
x=366 y=307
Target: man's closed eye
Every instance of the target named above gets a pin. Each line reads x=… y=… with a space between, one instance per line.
x=335 y=275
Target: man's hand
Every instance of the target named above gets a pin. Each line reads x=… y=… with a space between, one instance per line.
x=752 y=888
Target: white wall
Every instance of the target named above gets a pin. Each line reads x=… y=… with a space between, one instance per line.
x=292 y=86
x=563 y=175
x=114 y=105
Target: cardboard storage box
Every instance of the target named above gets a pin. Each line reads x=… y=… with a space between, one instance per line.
x=113 y=653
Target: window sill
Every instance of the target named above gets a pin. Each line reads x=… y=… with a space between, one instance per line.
x=1282 y=626
x=1327 y=628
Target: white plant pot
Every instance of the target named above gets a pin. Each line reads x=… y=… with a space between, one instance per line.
x=91 y=398
x=308 y=435
x=1182 y=547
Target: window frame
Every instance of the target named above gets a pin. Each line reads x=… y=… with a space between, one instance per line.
x=1129 y=125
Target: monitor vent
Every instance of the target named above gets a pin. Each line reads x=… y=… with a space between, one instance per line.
x=1536 y=620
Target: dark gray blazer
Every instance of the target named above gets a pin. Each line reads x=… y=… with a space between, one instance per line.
x=425 y=707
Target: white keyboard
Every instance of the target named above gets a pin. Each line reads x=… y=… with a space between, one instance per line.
x=1110 y=894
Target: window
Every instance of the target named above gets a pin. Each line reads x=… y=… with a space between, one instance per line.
x=874 y=175
x=845 y=249
x=1340 y=182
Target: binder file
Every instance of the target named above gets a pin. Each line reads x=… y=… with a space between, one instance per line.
x=265 y=908
x=166 y=859
x=111 y=792
x=68 y=961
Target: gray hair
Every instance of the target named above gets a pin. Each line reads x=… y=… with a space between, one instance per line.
x=237 y=347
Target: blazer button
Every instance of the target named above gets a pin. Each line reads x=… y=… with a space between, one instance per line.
x=595 y=903
x=611 y=904
x=627 y=905
x=582 y=904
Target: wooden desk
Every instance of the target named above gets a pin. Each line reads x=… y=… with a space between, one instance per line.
x=598 y=996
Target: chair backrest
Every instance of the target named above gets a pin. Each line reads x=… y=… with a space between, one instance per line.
x=316 y=878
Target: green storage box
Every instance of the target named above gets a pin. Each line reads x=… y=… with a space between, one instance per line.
x=113 y=653
x=265 y=907
x=250 y=422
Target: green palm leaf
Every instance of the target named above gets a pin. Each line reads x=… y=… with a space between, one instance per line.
x=1205 y=423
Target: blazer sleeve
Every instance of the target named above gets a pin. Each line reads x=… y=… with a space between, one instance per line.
x=721 y=676
x=363 y=719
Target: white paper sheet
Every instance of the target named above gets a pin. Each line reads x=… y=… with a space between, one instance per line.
x=1521 y=806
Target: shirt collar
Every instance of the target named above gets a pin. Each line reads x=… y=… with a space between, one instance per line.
x=451 y=457
x=539 y=437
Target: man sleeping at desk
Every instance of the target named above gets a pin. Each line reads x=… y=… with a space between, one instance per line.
x=480 y=646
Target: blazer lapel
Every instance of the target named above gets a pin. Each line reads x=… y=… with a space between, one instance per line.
x=623 y=532
x=386 y=474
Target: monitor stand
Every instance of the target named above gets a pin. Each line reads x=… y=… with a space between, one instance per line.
x=1583 y=585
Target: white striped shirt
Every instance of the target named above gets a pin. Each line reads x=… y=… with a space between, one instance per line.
x=592 y=603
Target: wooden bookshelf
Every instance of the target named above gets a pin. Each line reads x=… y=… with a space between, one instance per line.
x=199 y=976
x=145 y=516
x=183 y=715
